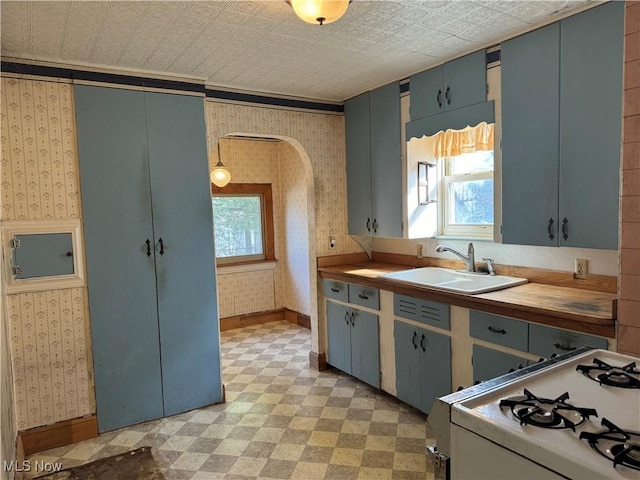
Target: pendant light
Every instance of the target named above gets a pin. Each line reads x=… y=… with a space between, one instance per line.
x=220 y=175
x=319 y=11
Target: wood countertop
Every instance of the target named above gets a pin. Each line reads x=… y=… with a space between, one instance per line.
x=565 y=307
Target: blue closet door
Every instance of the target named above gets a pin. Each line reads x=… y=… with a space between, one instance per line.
x=116 y=204
x=184 y=252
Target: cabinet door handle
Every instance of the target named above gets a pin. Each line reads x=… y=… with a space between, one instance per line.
x=335 y=290
x=566 y=348
x=368 y=224
x=413 y=340
x=346 y=317
x=550 y=229
x=447 y=96
x=352 y=321
x=565 y=228
x=161 y=246
x=439 y=98
x=501 y=331
x=364 y=297
x=148 y=242
x=422 y=343
x=375 y=226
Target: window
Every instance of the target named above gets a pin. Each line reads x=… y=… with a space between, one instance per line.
x=467 y=194
x=465 y=181
x=243 y=223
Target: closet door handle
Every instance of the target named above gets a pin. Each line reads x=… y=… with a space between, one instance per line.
x=161 y=246
x=413 y=341
x=439 y=98
x=550 y=229
x=148 y=242
x=447 y=96
x=565 y=228
x=422 y=343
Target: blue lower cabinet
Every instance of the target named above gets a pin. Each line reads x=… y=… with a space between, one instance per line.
x=423 y=365
x=489 y=363
x=339 y=336
x=353 y=342
x=365 y=347
x=407 y=363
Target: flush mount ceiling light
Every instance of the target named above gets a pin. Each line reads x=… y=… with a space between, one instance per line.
x=319 y=11
x=220 y=175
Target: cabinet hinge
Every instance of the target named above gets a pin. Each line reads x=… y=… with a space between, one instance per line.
x=17 y=270
x=15 y=243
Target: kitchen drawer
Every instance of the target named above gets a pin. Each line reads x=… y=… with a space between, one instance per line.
x=335 y=289
x=424 y=311
x=489 y=363
x=545 y=341
x=365 y=296
x=499 y=330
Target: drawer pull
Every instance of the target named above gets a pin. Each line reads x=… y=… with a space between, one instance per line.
x=422 y=342
x=364 y=297
x=566 y=348
x=336 y=290
x=502 y=331
x=413 y=340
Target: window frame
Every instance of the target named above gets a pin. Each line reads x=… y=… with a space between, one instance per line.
x=446 y=178
x=264 y=191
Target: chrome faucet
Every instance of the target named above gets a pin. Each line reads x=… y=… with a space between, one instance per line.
x=469 y=259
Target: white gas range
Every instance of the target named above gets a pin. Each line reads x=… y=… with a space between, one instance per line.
x=575 y=416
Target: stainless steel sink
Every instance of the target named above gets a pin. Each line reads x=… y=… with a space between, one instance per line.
x=454 y=280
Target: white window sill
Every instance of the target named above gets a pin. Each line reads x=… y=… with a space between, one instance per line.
x=247 y=267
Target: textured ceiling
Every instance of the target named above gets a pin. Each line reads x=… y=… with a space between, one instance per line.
x=262 y=46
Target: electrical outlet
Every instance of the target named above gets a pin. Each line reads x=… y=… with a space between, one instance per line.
x=581 y=268
x=332 y=242
x=418 y=251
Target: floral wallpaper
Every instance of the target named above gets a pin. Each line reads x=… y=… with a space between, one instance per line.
x=7 y=408
x=48 y=330
x=295 y=230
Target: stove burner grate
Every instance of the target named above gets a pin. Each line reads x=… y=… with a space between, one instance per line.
x=619 y=446
x=547 y=413
x=622 y=377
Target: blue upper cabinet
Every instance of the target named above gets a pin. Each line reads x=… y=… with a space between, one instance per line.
x=358 y=144
x=591 y=46
x=458 y=83
x=386 y=161
x=561 y=131
x=374 y=162
x=530 y=125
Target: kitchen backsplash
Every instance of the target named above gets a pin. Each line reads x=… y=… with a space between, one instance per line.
x=601 y=262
